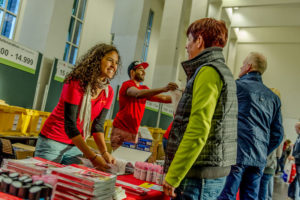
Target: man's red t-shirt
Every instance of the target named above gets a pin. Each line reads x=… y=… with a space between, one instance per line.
x=131 y=109
x=167 y=133
x=72 y=93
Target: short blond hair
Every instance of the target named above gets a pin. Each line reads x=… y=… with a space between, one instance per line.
x=258 y=61
x=297 y=127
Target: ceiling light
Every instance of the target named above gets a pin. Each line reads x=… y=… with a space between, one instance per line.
x=237 y=30
x=235 y=8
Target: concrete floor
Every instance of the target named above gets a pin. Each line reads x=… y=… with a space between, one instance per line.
x=280 y=189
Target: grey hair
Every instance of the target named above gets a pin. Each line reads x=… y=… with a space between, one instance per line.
x=297 y=127
x=258 y=61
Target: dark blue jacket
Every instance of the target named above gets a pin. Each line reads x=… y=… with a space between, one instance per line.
x=260 y=128
x=296 y=151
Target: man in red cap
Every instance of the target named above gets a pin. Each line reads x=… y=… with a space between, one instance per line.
x=132 y=103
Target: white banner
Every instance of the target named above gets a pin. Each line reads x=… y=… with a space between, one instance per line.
x=167 y=109
x=152 y=105
x=17 y=56
x=62 y=69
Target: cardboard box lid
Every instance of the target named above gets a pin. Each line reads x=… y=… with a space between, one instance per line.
x=131 y=155
x=24 y=146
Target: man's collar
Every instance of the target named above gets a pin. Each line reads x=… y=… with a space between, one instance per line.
x=252 y=75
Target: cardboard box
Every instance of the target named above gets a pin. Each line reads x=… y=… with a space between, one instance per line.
x=145 y=137
x=144 y=141
x=129 y=145
x=143 y=147
x=23 y=151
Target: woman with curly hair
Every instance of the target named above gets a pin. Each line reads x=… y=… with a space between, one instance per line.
x=86 y=96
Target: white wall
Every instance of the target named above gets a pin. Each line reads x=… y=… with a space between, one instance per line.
x=126 y=26
x=232 y=43
x=43 y=26
x=282 y=73
x=33 y=23
x=169 y=49
x=97 y=24
x=289 y=128
x=58 y=29
x=157 y=7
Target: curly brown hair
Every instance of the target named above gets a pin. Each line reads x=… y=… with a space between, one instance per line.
x=88 y=69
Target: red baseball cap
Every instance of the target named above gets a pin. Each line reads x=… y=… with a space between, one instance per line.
x=136 y=64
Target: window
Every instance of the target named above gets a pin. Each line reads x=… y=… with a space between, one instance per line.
x=147 y=36
x=74 y=31
x=8 y=16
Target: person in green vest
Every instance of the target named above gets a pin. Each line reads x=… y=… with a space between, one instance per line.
x=202 y=144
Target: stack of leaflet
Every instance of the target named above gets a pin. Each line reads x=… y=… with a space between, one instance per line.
x=31 y=166
x=83 y=183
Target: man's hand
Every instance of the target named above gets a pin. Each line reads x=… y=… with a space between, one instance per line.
x=108 y=158
x=169 y=190
x=171 y=86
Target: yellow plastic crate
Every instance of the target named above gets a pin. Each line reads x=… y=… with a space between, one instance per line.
x=37 y=121
x=14 y=119
x=157 y=134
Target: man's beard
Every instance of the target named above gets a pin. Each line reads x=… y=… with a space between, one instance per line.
x=138 y=78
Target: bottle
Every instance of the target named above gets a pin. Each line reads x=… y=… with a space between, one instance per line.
x=144 y=169
x=5 y=184
x=14 y=188
x=46 y=191
x=38 y=183
x=34 y=193
x=26 y=181
x=149 y=172
x=23 y=178
x=135 y=169
x=23 y=191
x=159 y=175
x=154 y=173
x=14 y=176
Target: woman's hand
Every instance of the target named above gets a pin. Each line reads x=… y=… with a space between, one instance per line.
x=291 y=158
x=108 y=158
x=169 y=190
x=99 y=163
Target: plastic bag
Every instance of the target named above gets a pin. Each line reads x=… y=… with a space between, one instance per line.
x=287 y=170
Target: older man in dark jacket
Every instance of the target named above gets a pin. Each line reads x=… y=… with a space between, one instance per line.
x=259 y=129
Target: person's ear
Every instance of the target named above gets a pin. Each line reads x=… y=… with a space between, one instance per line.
x=248 y=67
x=200 y=42
x=132 y=73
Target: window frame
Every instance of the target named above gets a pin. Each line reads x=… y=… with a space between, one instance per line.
x=11 y=13
x=70 y=43
x=146 y=42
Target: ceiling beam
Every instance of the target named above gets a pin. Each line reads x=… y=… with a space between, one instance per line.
x=255 y=3
x=275 y=16
x=269 y=35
